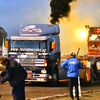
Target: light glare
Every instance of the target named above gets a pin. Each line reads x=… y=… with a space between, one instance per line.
x=82 y=34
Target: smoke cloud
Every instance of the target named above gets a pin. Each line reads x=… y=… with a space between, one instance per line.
x=83 y=12
x=59 y=9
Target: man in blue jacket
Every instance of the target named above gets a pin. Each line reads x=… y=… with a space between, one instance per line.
x=16 y=75
x=72 y=65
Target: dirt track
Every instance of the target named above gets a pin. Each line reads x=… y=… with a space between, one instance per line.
x=38 y=90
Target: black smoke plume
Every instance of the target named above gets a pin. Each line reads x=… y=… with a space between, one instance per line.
x=59 y=9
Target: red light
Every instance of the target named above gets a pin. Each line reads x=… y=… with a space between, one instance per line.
x=45 y=62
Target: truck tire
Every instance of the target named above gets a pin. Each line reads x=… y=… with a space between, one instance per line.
x=55 y=79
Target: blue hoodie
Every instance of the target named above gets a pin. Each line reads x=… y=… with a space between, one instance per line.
x=72 y=65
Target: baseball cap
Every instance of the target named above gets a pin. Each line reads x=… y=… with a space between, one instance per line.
x=73 y=54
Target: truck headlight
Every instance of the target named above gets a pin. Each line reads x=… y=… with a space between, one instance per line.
x=43 y=71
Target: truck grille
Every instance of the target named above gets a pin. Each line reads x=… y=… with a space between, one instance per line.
x=31 y=61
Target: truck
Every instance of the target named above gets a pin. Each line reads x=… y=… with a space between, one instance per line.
x=91 y=61
x=37 y=49
x=94 y=50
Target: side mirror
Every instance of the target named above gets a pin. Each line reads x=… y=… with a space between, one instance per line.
x=53 y=45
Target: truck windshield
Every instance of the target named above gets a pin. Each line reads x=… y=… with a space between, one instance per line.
x=28 y=45
x=94 y=37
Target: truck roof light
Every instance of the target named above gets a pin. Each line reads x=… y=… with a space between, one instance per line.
x=87 y=26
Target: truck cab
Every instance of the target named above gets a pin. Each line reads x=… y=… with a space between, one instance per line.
x=37 y=49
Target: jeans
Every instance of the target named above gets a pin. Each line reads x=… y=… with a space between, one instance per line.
x=18 y=91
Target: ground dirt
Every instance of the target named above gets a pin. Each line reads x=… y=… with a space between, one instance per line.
x=85 y=96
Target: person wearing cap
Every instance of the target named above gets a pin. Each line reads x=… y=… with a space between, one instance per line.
x=72 y=66
x=16 y=75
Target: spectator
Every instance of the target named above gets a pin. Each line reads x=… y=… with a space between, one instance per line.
x=16 y=75
x=72 y=65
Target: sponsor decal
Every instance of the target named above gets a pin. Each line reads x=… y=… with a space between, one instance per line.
x=92 y=49
x=28 y=49
x=72 y=62
x=31 y=28
x=96 y=30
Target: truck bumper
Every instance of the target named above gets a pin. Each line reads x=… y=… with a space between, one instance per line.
x=38 y=77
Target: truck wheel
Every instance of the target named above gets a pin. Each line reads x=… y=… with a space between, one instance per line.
x=54 y=78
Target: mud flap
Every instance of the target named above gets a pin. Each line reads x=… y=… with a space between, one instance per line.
x=88 y=74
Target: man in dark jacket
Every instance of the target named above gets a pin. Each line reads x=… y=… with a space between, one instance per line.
x=16 y=75
x=72 y=65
